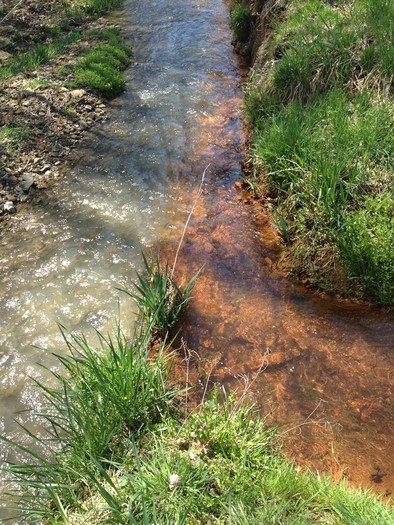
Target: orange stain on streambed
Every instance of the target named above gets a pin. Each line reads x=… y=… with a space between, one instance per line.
x=321 y=369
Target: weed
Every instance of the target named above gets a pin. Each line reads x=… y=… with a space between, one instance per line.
x=109 y=396
x=13 y=135
x=366 y=246
x=68 y=112
x=219 y=464
x=241 y=20
x=159 y=299
x=37 y=56
x=320 y=158
x=100 y=68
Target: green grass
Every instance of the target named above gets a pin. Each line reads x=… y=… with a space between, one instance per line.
x=80 y=9
x=323 y=121
x=227 y=466
x=115 y=446
x=108 y=396
x=323 y=45
x=36 y=57
x=366 y=246
x=13 y=136
x=159 y=299
x=101 y=68
x=53 y=41
x=241 y=20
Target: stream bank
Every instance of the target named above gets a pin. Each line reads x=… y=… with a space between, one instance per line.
x=320 y=109
x=44 y=115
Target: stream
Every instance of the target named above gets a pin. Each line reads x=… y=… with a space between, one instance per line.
x=320 y=368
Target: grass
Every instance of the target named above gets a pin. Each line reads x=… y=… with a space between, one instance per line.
x=54 y=40
x=79 y=10
x=36 y=57
x=108 y=397
x=322 y=119
x=13 y=135
x=159 y=299
x=366 y=246
x=101 y=68
x=241 y=20
x=117 y=447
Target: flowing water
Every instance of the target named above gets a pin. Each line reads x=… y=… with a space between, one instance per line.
x=322 y=367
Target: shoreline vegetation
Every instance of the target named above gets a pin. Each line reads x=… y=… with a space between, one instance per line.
x=60 y=62
x=320 y=108
x=118 y=443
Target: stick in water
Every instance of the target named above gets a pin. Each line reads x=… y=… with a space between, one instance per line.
x=188 y=219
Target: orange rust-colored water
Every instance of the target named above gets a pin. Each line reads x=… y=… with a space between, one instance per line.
x=322 y=369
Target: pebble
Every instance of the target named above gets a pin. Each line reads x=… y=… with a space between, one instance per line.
x=175 y=481
x=9 y=207
x=4 y=56
x=26 y=181
x=77 y=93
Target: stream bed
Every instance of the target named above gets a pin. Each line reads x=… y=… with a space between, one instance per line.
x=322 y=369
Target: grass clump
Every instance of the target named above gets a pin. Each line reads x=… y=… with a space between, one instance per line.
x=159 y=299
x=37 y=56
x=366 y=246
x=108 y=397
x=13 y=135
x=220 y=464
x=101 y=68
x=322 y=126
x=241 y=20
x=78 y=10
x=321 y=45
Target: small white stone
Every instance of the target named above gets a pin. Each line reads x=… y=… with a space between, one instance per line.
x=175 y=481
x=192 y=456
x=9 y=207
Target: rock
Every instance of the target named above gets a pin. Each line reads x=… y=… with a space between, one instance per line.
x=41 y=184
x=175 y=481
x=27 y=93
x=12 y=180
x=26 y=182
x=6 y=30
x=4 y=42
x=4 y=56
x=9 y=207
x=77 y=93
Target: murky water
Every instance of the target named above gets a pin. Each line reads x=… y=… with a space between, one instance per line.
x=61 y=261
